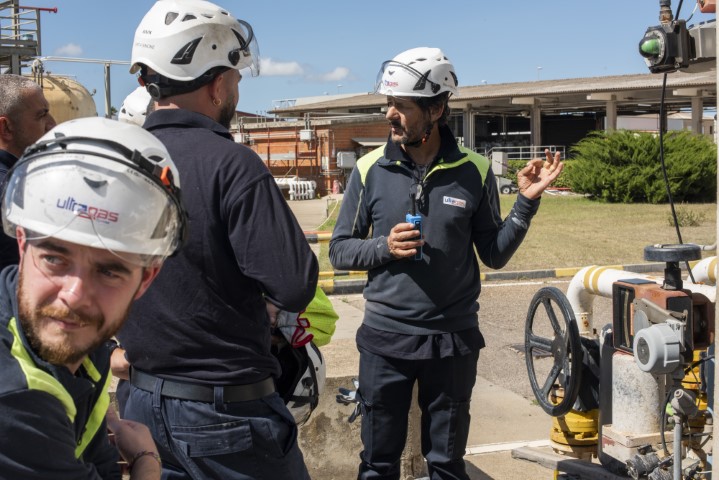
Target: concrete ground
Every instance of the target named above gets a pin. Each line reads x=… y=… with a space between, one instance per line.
x=504 y=423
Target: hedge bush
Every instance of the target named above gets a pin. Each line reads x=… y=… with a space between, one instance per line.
x=513 y=166
x=624 y=166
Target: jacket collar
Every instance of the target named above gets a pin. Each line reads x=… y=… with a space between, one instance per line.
x=182 y=118
x=449 y=151
x=8 y=295
x=7 y=159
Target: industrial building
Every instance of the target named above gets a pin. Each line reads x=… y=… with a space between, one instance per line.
x=319 y=139
x=311 y=144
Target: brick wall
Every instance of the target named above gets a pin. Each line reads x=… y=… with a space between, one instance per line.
x=280 y=147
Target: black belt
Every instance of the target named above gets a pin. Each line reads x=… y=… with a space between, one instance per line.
x=203 y=393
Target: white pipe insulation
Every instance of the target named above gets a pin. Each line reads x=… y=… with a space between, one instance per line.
x=705 y=271
x=591 y=281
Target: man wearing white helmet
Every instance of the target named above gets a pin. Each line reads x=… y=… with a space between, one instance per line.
x=202 y=375
x=95 y=207
x=24 y=117
x=413 y=214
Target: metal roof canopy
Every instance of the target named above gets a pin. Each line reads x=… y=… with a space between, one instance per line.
x=370 y=141
x=632 y=94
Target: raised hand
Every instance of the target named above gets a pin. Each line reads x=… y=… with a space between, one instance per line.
x=533 y=179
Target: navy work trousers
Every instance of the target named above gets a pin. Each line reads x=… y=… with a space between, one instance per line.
x=444 y=392
x=253 y=440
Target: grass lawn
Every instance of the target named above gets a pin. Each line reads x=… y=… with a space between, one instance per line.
x=572 y=231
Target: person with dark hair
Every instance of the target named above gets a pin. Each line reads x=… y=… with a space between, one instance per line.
x=413 y=215
x=199 y=344
x=24 y=117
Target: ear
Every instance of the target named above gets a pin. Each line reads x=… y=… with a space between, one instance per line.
x=216 y=86
x=5 y=129
x=148 y=275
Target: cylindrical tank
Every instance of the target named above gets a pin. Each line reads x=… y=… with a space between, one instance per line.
x=637 y=397
x=68 y=99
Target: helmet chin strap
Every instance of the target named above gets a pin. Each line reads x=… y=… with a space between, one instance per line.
x=427 y=133
x=423 y=140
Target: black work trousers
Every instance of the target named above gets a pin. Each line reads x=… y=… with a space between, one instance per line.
x=444 y=392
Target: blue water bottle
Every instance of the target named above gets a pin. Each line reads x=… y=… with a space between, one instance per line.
x=416 y=220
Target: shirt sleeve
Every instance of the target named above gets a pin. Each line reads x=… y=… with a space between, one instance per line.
x=38 y=442
x=495 y=239
x=270 y=246
x=350 y=249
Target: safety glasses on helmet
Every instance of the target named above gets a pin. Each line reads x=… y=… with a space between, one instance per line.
x=123 y=203
x=247 y=56
x=389 y=69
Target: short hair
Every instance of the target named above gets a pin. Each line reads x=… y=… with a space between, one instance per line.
x=11 y=93
x=441 y=100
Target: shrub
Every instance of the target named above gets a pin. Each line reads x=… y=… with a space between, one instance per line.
x=624 y=166
x=686 y=218
x=513 y=166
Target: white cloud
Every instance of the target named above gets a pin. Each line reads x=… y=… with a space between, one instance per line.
x=339 y=73
x=270 y=68
x=69 y=50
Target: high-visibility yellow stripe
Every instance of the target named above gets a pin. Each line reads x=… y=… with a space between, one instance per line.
x=36 y=378
x=99 y=410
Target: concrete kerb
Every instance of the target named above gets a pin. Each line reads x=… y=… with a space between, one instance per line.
x=331 y=284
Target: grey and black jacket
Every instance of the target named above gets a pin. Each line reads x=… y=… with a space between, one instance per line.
x=459 y=206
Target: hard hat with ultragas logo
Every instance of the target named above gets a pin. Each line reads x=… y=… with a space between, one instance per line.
x=418 y=72
x=183 y=39
x=100 y=183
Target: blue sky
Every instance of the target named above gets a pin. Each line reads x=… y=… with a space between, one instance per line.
x=320 y=47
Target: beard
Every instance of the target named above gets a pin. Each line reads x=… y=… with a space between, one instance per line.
x=409 y=137
x=61 y=349
x=227 y=113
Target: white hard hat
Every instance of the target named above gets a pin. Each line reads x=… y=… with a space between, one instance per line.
x=418 y=72
x=134 y=107
x=183 y=39
x=99 y=183
x=302 y=380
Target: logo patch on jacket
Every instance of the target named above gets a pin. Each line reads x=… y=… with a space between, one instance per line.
x=455 y=202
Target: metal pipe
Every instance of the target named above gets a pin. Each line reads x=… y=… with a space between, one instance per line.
x=108 y=102
x=84 y=60
x=591 y=281
x=41 y=9
x=677 y=453
x=705 y=271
